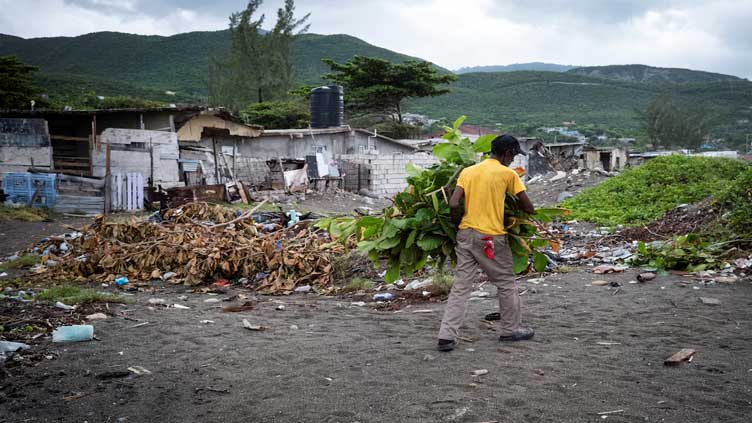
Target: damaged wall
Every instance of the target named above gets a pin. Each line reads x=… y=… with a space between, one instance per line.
x=24 y=143
x=388 y=174
x=135 y=150
x=300 y=143
x=608 y=159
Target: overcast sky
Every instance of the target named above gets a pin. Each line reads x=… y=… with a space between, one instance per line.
x=705 y=35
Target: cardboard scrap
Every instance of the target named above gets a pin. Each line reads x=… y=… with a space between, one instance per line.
x=685 y=354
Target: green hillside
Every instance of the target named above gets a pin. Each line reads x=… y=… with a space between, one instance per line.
x=177 y=63
x=651 y=74
x=110 y=64
x=545 y=97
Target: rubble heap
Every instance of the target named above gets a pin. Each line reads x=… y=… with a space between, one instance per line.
x=194 y=243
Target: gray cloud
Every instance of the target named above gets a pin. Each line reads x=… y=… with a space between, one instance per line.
x=708 y=35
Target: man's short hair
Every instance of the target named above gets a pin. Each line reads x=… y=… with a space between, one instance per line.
x=504 y=143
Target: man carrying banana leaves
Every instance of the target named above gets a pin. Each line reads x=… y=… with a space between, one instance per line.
x=482 y=241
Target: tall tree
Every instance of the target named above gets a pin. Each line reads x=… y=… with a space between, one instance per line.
x=280 y=42
x=668 y=123
x=16 y=88
x=375 y=85
x=258 y=67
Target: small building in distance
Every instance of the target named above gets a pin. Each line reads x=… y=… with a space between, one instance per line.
x=609 y=159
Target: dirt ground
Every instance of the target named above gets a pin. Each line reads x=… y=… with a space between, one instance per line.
x=17 y=235
x=596 y=350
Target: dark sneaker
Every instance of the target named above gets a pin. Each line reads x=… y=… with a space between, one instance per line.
x=521 y=334
x=446 y=345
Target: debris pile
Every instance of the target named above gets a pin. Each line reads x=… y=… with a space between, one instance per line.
x=681 y=220
x=194 y=243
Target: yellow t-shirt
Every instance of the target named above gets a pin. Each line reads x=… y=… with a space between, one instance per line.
x=486 y=185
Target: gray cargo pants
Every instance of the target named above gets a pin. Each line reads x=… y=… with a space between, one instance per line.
x=500 y=270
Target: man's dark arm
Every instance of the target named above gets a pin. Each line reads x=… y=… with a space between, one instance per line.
x=455 y=205
x=527 y=205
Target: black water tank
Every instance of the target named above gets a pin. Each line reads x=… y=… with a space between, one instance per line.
x=327 y=107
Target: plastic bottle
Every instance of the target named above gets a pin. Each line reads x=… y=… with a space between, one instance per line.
x=384 y=296
x=75 y=333
x=121 y=280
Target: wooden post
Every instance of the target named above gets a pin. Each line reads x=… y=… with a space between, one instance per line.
x=107 y=182
x=234 y=153
x=172 y=123
x=216 y=159
x=92 y=143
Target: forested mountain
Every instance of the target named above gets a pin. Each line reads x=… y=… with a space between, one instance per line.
x=552 y=97
x=115 y=63
x=110 y=63
x=650 y=74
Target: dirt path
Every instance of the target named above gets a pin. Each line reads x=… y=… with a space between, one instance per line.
x=17 y=235
x=345 y=363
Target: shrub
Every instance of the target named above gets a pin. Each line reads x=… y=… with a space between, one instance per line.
x=645 y=193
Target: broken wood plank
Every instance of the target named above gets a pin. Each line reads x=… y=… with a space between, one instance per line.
x=685 y=354
x=241 y=191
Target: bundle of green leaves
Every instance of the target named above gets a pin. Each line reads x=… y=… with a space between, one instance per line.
x=418 y=229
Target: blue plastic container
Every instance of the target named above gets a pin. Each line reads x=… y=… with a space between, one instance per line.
x=21 y=187
x=75 y=333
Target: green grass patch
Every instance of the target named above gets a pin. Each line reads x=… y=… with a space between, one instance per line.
x=26 y=260
x=645 y=193
x=358 y=284
x=442 y=282
x=71 y=294
x=25 y=214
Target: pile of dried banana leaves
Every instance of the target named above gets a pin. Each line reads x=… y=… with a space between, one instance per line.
x=194 y=243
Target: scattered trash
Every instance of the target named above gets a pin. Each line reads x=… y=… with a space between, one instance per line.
x=480 y=372
x=606 y=268
x=75 y=333
x=96 y=316
x=645 y=277
x=140 y=325
x=599 y=283
x=280 y=307
x=614 y=284
x=608 y=343
x=4 y=274
x=206 y=322
x=212 y=300
x=480 y=294
x=249 y=326
x=181 y=307
x=121 y=280
x=221 y=283
x=384 y=296
x=303 y=289
x=157 y=301
x=710 y=301
x=358 y=303
x=418 y=284
x=726 y=279
x=60 y=305
x=7 y=349
x=686 y=354
x=294 y=327
x=605 y=413
x=169 y=275
x=428 y=357
x=138 y=370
